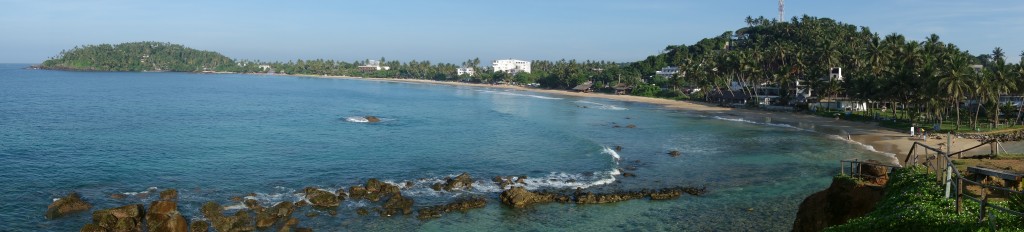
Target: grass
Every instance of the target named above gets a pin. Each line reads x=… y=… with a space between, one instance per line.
x=948 y=125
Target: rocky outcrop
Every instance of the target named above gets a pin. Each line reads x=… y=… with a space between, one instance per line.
x=372 y=119
x=164 y=216
x=674 y=153
x=397 y=204
x=321 y=198
x=462 y=181
x=842 y=201
x=376 y=189
x=592 y=198
x=241 y=221
x=463 y=205
x=356 y=192
x=519 y=197
x=72 y=203
x=169 y=195
x=876 y=174
x=199 y=226
x=280 y=212
x=124 y=218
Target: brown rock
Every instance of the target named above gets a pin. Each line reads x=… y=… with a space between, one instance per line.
x=630 y=126
x=276 y=213
x=92 y=228
x=618 y=148
x=212 y=210
x=463 y=205
x=321 y=198
x=397 y=204
x=237 y=199
x=462 y=181
x=117 y=196
x=164 y=216
x=356 y=192
x=362 y=211
x=124 y=218
x=674 y=153
x=169 y=195
x=372 y=119
x=199 y=226
x=519 y=197
x=628 y=174
x=72 y=203
x=253 y=204
x=842 y=201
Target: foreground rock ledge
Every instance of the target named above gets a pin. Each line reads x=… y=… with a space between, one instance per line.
x=72 y=203
x=519 y=197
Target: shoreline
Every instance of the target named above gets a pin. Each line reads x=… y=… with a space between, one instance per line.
x=868 y=134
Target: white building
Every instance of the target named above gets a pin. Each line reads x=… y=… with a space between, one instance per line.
x=667 y=72
x=373 y=65
x=465 y=71
x=511 y=66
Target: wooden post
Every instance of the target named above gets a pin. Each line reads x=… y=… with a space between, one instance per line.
x=842 y=170
x=949 y=180
x=959 y=194
x=984 y=202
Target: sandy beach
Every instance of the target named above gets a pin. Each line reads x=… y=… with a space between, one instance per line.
x=881 y=139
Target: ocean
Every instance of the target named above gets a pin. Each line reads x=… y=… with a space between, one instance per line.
x=218 y=136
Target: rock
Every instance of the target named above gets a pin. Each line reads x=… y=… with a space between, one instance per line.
x=117 y=196
x=872 y=171
x=497 y=179
x=253 y=204
x=462 y=181
x=280 y=211
x=124 y=218
x=616 y=126
x=300 y=204
x=397 y=204
x=199 y=226
x=462 y=204
x=321 y=198
x=72 y=203
x=312 y=214
x=372 y=119
x=237 y=199
x=356 y=192
x=630 y=126
x=409 y=184
x=212 y=210
x=362 y=211
x=341 y=194
x=519 y=197
x=628 y=174
x=437 y=186
x=288 y=225
x=842 y=201
x=521 y=180
x=169 y=195
x=591 y=198
x=376 y=189
x=300 y=229
x=618 y=148
x=164 y=216
x=241 y=221
x=631 y=168
x=92 y=228
x=674 y=153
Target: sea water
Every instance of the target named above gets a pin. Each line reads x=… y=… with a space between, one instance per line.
x=215 y=137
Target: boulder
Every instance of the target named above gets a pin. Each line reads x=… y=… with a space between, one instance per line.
x=372 y=119
x=92 y=228
x=356 y=192
x=164 y=216
x=253 y=204
x=199 y=226
x=72 y=203
x=630 y=126
x=628 y=174
x=376 y=189
x=397 y=204
x=279 y=212
x=872 y=171
x=169 y=195
x=462 y=204
x=362 y=211
x=618 y=148
x=519 y=197
x=124 y=218
x=674 y=153
x=521 y=180
x=289 y=224
x=592 y=198
x=212 y=210
x=462 y=181
x=321 y=198
x=842 y=201
x=241 y=221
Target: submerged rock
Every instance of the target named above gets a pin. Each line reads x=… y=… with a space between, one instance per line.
x=591 y=198
x=462 y=205
x=72 y=203
x=397 y=204
x=674 y=153
x=321 y=198
x=519 y=197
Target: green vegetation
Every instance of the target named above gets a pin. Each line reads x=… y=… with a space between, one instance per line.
x=138 y=56
x=913 y=202
x=905 y=82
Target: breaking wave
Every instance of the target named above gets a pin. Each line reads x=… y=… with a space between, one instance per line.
x=601 y=106
x=518 y=94
x=356 y=119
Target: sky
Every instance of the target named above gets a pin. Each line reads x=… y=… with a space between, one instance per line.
x=453 y=31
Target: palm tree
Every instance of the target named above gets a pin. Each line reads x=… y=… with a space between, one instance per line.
x=955 y=82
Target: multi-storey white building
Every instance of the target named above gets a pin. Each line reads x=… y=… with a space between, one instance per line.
x=466 y=71
x=511 y=66
x=667 y=72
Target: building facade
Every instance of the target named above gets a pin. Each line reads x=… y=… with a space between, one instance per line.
x=511 y=66
x=465 y=71
x=667 y=72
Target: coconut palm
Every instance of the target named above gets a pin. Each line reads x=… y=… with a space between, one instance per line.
x=955 y=83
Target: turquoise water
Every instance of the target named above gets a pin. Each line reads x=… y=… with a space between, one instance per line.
x=214 y=137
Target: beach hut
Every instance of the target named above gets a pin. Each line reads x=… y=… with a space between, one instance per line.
x=622 y=88
x=584 y=88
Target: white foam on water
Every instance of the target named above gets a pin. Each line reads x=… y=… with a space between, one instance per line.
x=758 y=123
x=358 y=119
x=611 y=152
x=148 y=190
x=239 y=206
x=519 y=94
x=891 y=156
x=601 y=106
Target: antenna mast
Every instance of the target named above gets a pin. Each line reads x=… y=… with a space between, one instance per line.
x=781 y=11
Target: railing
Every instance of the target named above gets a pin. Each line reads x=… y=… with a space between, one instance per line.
x=856 y=168
x=939 y=162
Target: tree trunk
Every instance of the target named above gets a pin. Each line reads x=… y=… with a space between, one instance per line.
x=1020 y=107
x=977 y=110
x=957 y=109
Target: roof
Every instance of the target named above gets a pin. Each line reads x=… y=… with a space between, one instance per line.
x=622 y=86
x=584 y=86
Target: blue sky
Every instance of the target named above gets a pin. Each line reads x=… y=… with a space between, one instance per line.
x=454 y=31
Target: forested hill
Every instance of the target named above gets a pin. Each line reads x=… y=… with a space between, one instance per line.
x=138 y=56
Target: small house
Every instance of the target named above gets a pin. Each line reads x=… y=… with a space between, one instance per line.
x=584 y=88
x=622 y=88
